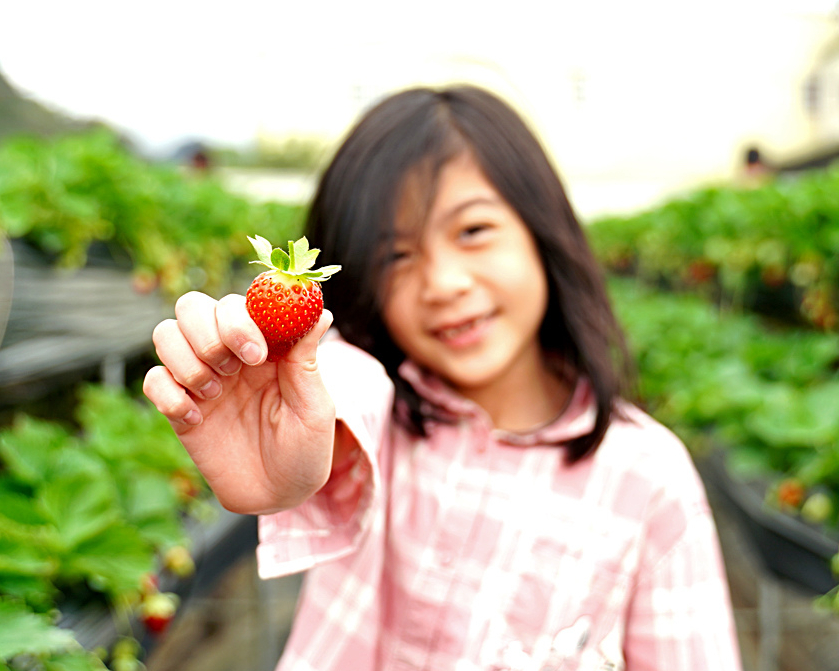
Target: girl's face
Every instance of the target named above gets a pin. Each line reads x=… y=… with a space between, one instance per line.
x=466 y=295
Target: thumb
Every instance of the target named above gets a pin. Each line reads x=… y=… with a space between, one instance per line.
x=297 y=374
x=305 y=350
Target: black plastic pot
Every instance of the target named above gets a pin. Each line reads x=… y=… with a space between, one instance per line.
x=788 y=547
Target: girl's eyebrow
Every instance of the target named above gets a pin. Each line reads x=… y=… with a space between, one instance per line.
x=471 y=202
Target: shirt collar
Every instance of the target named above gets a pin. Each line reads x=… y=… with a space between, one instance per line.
x=576 y=419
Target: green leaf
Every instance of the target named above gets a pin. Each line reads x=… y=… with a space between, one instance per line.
x=789 y=419
x=29 y=447
x=263 y=249
x=127 y=431
x=301 y=247
x=307 y=260
x=280 y=260
x=150 y=494
x=162 y=531
x=23 y=632
x=79 y=506
x=25 y=560
x=114 y=561
x=40 y=593
x=76 y=660
x=17 y=507
x=322 y=274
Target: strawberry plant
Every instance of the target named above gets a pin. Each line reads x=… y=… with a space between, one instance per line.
x=771 y=249
x=70 y=195
x=723 y=380
x=87 y=514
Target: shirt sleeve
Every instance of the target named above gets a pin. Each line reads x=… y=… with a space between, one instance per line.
x=680 y=616
x=332 y=523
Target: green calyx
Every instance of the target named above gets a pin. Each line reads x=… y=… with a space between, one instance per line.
x=297 y=262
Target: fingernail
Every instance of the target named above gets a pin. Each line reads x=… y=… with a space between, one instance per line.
x=192 y=417
x=251 y=354
x=231 y=366
x=211 y=390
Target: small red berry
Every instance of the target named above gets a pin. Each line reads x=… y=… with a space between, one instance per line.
x=791 y=492
x=701 y=271
x=286 y=300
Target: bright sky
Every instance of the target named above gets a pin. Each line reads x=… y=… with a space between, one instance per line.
x=164 y=70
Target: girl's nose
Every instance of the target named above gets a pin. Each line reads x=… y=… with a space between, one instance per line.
x=445 y=276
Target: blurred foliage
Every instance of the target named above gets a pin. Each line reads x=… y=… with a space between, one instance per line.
x=86 y=514
x=175 y=229
x=774 y=248
x=723 y=380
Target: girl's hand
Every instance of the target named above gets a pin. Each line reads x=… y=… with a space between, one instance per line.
x=261 y=433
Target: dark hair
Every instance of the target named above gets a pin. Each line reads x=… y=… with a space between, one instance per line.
x=353 y=210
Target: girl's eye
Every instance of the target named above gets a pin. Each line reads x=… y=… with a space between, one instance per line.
x=399 y=256
x=473 y=231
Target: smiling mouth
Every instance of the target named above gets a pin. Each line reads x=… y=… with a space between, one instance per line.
x=452 y=333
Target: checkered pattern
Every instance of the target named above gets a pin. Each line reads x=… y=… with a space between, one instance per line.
x=480 y=549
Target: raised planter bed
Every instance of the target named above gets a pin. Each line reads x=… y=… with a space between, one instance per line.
x=788 y=547
x=62 y=323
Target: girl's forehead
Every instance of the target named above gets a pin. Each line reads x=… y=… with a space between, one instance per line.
x=428 y=195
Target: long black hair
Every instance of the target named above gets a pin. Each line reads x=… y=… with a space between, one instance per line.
x=354 y=208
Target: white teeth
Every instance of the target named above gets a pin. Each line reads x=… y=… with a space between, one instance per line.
x=454 y=331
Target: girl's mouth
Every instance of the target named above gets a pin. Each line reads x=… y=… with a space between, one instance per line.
x=464 y=333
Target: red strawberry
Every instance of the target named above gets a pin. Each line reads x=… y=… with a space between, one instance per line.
x=286 y=300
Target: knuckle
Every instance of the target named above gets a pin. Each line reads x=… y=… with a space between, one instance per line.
x=194 y=378
x=175 y=408
x=210 y=351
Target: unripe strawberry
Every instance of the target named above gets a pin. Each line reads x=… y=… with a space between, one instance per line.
x=158 y=610
x=186 y=485
x=178 y=561
x=149 y=584
x=817 y=508
x=286 y=300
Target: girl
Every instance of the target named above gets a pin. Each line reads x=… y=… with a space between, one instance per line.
x=457 y=470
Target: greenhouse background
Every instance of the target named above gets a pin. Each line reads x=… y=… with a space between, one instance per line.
x=138 y=152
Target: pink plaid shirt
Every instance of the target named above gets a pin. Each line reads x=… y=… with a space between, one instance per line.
x=480 y=549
